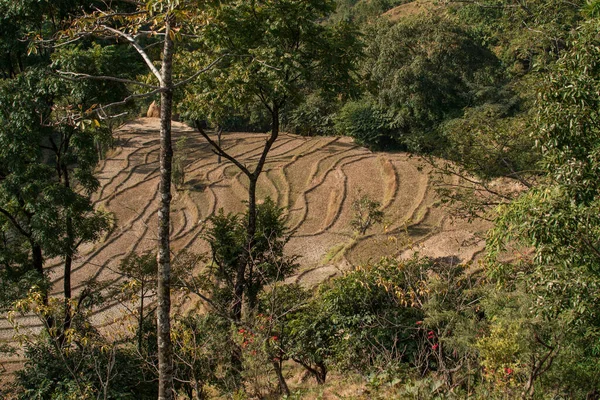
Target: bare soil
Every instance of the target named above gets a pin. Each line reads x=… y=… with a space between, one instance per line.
x=314 y=179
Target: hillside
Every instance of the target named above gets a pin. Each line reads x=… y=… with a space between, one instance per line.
x=500 y=99
x=314 y=179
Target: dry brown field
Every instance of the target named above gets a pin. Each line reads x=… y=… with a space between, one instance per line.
x=315 y=180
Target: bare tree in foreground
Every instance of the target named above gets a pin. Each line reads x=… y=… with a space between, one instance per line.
x=163 y=20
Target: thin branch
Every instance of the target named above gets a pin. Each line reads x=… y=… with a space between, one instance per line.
x=75 y=39
x=128 y=98
x=150 y=33
x=139 y=49
x=159 y=43
x=14 y=222
x=588 y=243
x=219 y=150
x=515 y=174
x=104 y=15
x=268 y=145
x=198 y=73
x=78 y=77
x=470 y=180
x=267 y=65
x=107 y=117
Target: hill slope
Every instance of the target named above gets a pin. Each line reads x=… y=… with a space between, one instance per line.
x=314 y=179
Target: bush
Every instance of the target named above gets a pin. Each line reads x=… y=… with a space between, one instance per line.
x=314 y=116
x=86 y=371
x=416 y=315
x=365 y=122
x=373 y=313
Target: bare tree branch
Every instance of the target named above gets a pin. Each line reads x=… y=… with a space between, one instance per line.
x=219 y=150
x=128 y=98
x=78 y=76
x=139 y=49
x=198 y=73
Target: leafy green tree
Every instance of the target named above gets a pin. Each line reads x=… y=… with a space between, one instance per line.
x=216 y=285
x=47 y=163
x=280 y=49
x=557 y=218
x=227 y=238
x=48 y=159
x=279 y=308
x=424 y=70
x=310 y=337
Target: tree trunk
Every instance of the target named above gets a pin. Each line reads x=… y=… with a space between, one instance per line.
x=69 y=251
x=38 y=265
x=251 y=229
x=20 y=62
x=140 y=337
x=37 y=257
x=165 y=347
x=219 y=133
x=283 y=387
x=11 y=71
x=67 y=280
x=250 y=234
x=319 y=371
x=322 y=373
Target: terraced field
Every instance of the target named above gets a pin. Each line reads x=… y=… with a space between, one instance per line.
x=314 y=179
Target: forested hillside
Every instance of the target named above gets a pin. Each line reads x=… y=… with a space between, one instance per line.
x=196 y=285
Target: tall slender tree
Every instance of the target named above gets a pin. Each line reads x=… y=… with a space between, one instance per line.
x=169 y=21
x=283 y=50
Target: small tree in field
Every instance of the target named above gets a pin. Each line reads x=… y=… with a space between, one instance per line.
x=367 y=213
x=139 y=272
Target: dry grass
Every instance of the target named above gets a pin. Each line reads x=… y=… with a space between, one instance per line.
x=314 y=179
x=414 y=8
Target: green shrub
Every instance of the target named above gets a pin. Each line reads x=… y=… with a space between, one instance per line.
x=86 y=371
x=314 y=116
x=365 y=122
x=373 y=313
